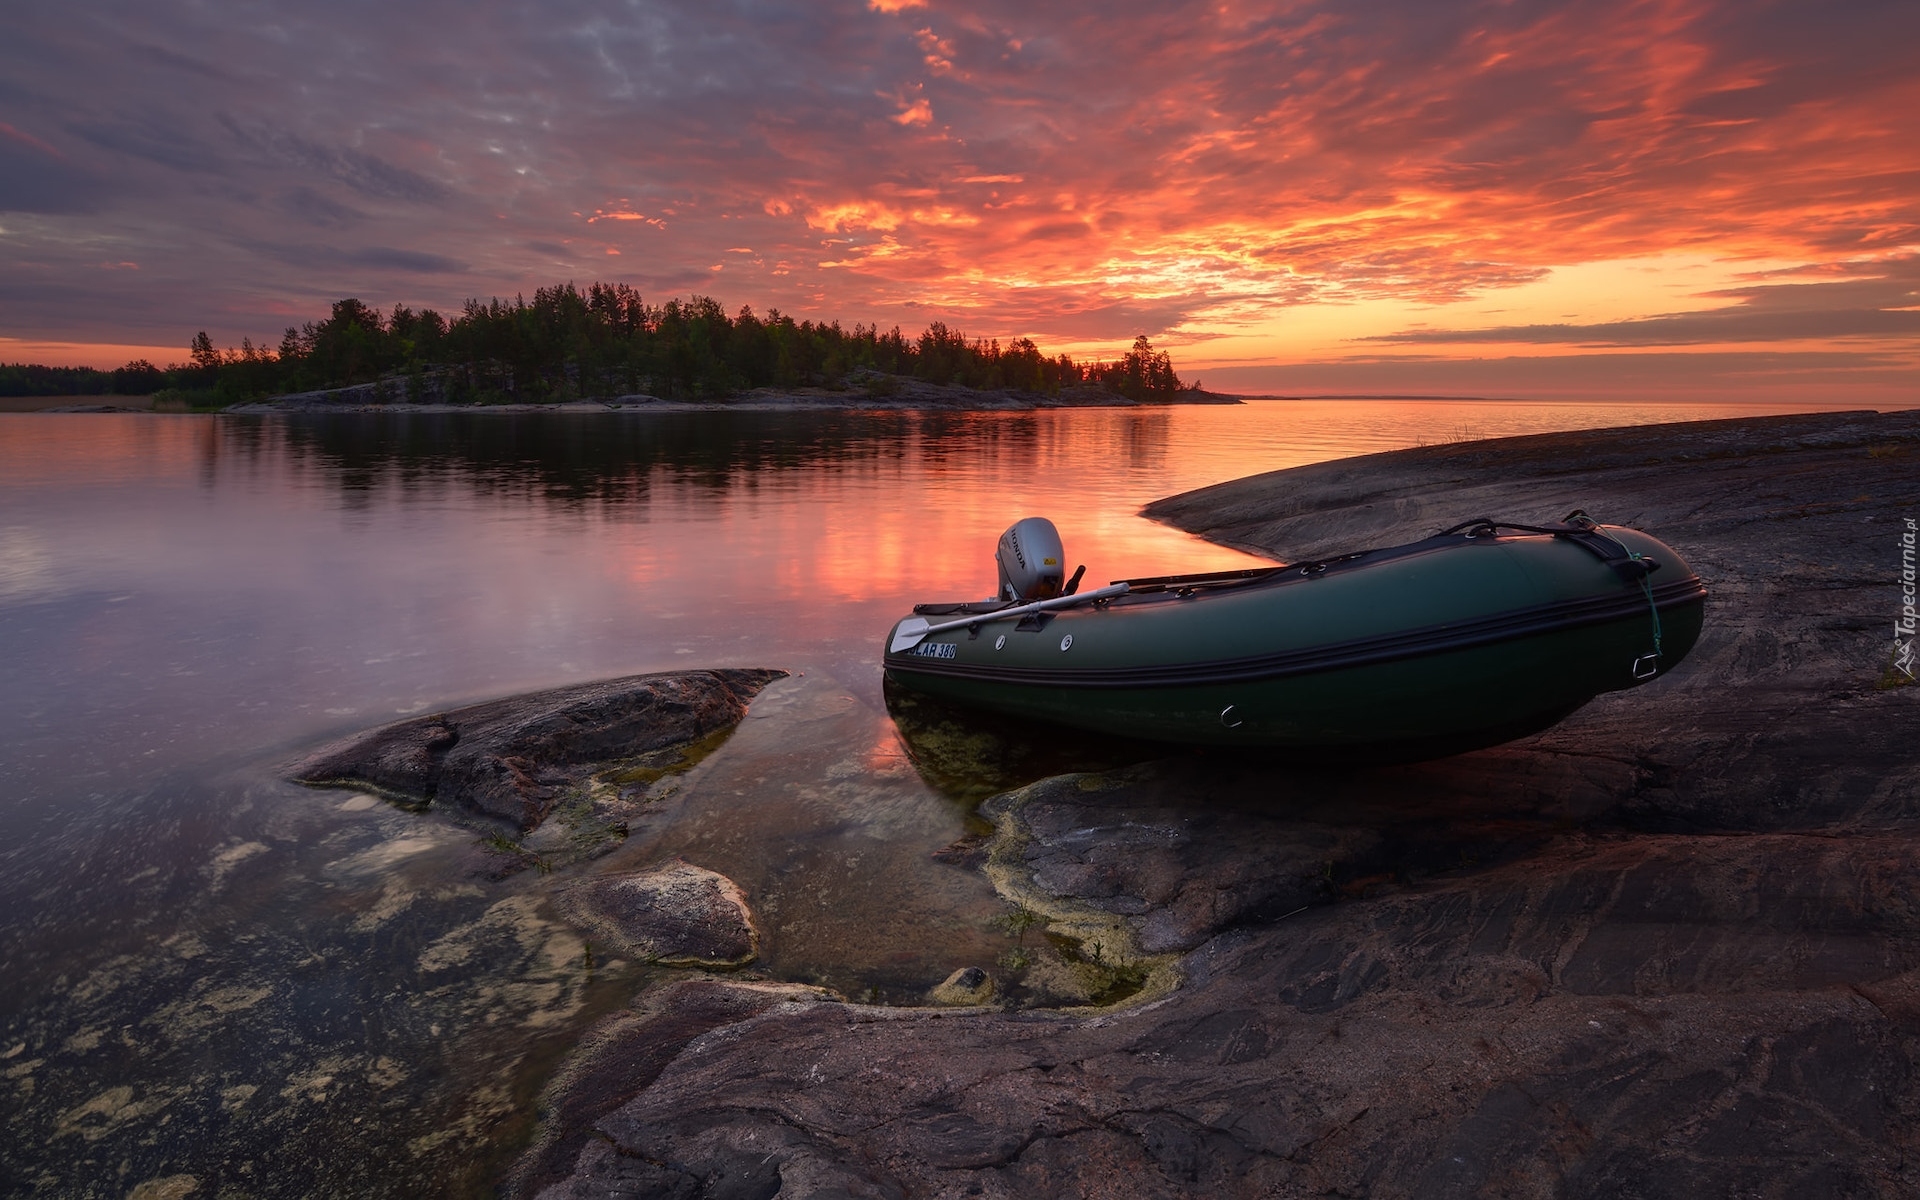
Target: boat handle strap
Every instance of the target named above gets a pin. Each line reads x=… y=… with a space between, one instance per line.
x=1582 y=531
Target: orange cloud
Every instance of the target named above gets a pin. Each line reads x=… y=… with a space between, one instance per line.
x=625 y=215
x=938 y=51
x=920 y=112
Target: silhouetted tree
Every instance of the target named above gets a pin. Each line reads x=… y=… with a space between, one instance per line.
x=138 y=378
x=1141 y=374
x=202 y=352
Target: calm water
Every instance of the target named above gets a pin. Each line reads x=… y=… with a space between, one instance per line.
x=212 y=973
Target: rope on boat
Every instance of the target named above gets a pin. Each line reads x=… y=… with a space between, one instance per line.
x=1583 y=530
x=1579 y=516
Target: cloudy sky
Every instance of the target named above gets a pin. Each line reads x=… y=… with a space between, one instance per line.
x=1411 y=196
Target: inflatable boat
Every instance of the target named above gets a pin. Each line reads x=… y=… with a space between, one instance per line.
x=1485 y=632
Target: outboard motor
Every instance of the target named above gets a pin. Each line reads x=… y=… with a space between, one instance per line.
x=1032 y=564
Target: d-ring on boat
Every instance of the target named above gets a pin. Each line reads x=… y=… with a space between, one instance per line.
x=1482 y=633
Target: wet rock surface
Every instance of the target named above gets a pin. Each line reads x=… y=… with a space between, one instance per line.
x=515 y=760
x=676 y=914
x=1670 y=947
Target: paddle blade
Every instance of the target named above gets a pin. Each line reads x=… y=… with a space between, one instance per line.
x=907 y=634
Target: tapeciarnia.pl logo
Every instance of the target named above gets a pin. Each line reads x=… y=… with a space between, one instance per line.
x=1903 y=625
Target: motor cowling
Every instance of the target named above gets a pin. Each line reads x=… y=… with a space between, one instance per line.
x=1031 y=561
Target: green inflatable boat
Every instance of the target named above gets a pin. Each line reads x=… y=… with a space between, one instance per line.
x=1483 y=633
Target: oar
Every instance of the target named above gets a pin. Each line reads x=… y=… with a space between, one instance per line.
x=912 y=631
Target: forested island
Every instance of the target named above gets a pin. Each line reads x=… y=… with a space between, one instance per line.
x=569 y=344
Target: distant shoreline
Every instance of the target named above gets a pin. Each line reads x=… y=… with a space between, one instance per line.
x=34 y=404
x=897 y=393
x=910 y=395
x=948 y=399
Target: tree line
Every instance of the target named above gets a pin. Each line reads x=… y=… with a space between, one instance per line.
x=138 y=378
x=567 y=343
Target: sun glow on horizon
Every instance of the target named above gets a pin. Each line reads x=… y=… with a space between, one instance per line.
x=1251 y=185
x=104 y=356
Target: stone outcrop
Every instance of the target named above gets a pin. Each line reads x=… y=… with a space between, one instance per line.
x=1670 y=947
x=514 y=760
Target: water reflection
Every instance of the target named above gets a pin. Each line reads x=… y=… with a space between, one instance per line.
x=968 y=755
x=618 y=460
x=213 y=973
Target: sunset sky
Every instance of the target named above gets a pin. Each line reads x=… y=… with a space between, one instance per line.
x=1412 y=197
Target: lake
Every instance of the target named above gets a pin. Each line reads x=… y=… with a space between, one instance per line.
x=212 y=973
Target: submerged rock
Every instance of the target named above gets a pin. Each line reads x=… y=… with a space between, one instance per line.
x=964 y=988
x=677 y=914
x=516 y=759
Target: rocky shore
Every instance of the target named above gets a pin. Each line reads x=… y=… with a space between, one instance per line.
x=1670 y=947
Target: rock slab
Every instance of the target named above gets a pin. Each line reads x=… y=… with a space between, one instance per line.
x=513 y=760
x=1669 y=948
